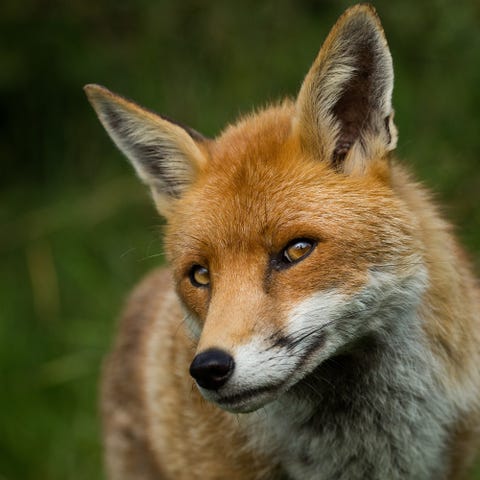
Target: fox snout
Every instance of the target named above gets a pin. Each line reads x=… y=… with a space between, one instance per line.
x=212 y=368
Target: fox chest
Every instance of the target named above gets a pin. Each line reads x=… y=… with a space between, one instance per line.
x=394 y=434
x=360 y=449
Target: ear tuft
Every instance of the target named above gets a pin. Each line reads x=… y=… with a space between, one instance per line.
x=344 y=112
x=165 y=155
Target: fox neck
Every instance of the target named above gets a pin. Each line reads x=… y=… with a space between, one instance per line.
x=374 y=394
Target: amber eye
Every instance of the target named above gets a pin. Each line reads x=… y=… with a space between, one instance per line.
x=297 y=249
x=199 y=276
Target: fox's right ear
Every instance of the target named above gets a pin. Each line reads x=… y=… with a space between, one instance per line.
x=166 y=156
x=344 y=108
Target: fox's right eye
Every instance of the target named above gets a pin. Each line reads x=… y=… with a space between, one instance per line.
x=199 y=276
x=297 y=250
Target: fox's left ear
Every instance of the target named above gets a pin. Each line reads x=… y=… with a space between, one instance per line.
x=343 y=112
x=165 y=155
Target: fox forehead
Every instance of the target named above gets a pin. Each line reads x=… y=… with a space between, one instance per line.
x=260 y=190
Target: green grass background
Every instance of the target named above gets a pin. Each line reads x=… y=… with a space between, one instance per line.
x=76 y=227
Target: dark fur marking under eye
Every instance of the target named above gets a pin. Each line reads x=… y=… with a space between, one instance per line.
x=282 y=341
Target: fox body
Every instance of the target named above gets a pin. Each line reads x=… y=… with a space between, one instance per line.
x=323 y=308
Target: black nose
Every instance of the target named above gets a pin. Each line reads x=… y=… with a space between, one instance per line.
x=212 y=368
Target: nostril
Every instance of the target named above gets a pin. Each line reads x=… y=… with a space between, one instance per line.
x=212 y=368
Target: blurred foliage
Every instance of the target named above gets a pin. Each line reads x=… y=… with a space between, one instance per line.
x=77 y=229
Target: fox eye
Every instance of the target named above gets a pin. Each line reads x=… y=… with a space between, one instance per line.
x=297 y=250
x=199 y=276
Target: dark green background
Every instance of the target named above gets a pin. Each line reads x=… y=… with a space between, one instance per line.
x=76 y=227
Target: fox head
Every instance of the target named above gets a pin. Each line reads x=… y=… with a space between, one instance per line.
x=286 y=235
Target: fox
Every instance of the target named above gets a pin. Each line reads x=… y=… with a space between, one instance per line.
x=318 y=318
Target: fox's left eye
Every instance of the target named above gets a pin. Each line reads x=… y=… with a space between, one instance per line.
x=297 y=250
x=199 y=276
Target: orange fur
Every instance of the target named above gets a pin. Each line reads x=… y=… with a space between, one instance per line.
x=297 y=170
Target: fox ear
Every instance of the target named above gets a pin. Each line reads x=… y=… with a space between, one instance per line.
x=344 y=112
x=166 y=156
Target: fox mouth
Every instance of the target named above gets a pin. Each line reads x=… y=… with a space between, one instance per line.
x=250 y=399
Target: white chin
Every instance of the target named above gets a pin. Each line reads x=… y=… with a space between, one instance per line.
x=242 y=402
